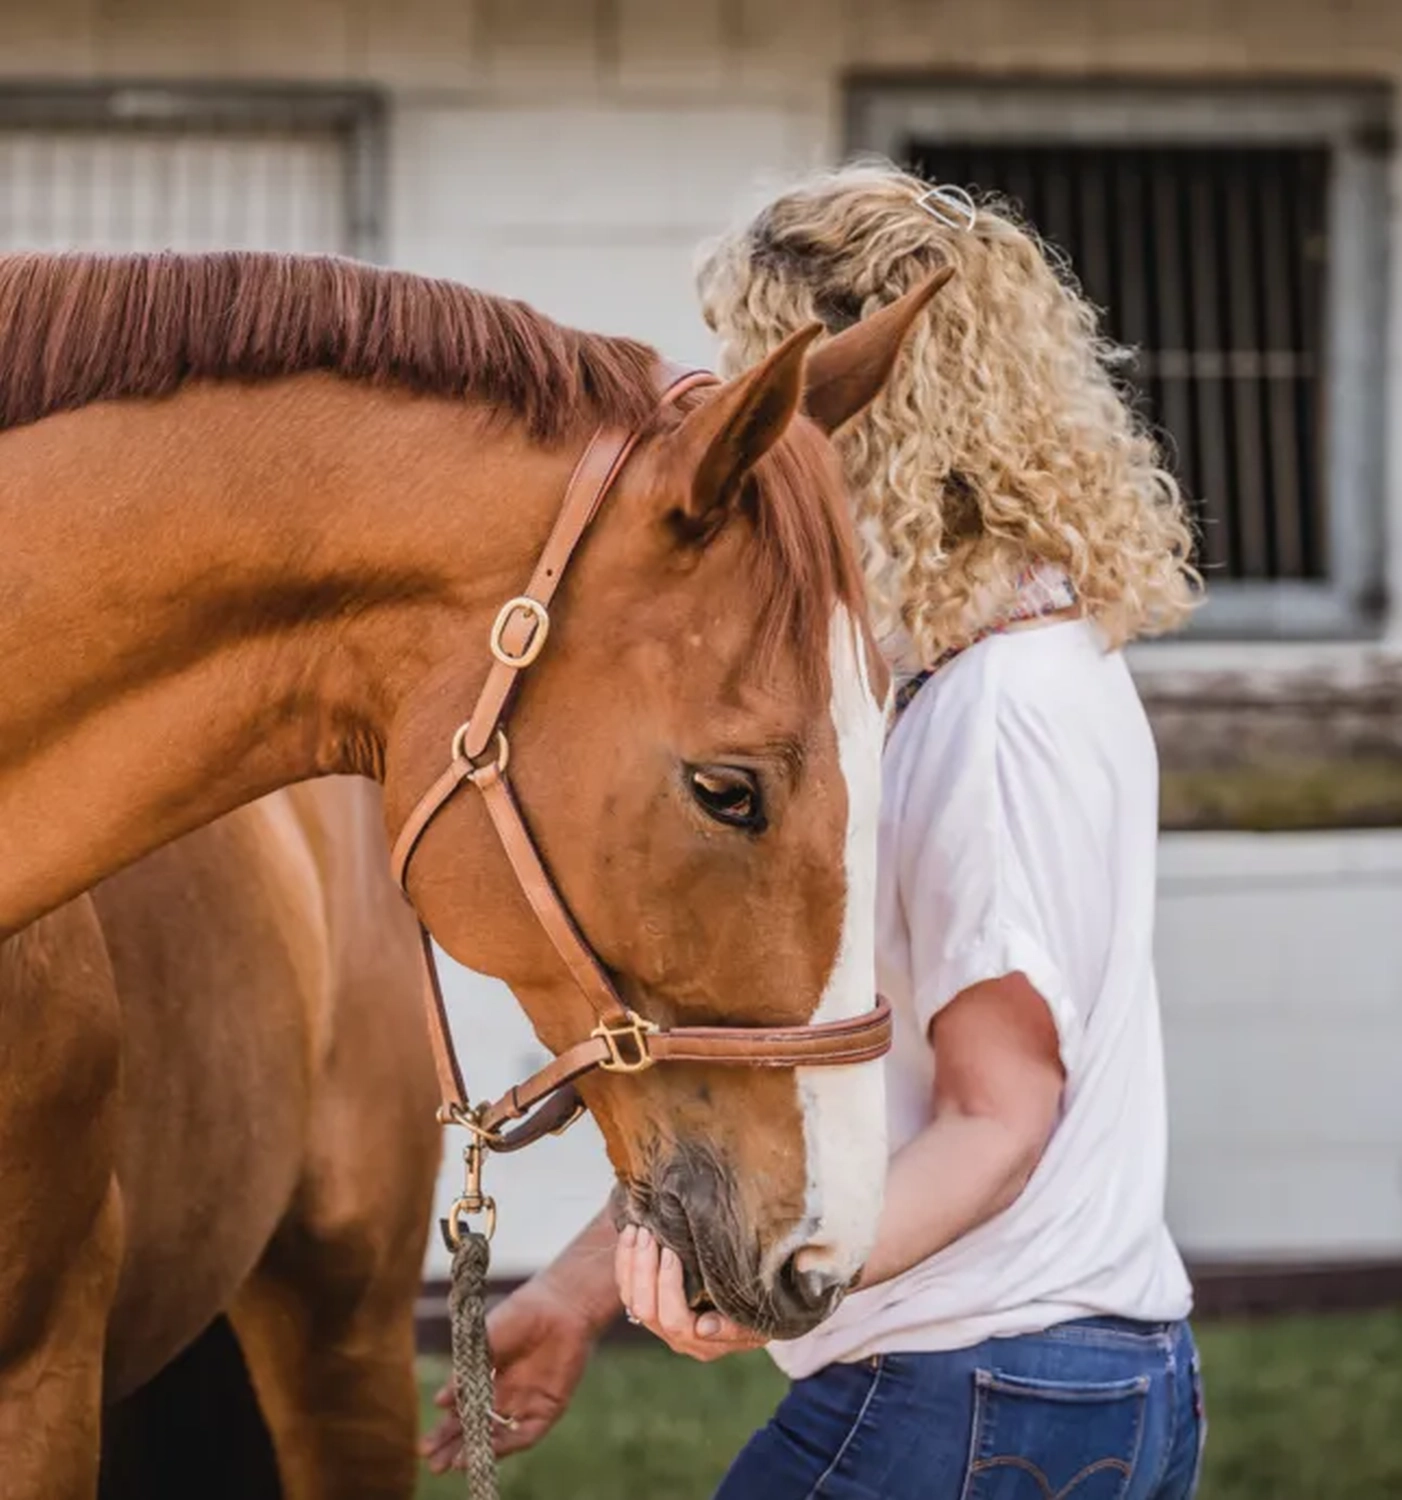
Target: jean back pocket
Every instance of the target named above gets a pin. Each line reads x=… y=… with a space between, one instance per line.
x=1053 y=1440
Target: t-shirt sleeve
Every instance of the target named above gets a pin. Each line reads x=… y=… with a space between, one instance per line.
x=971 y=865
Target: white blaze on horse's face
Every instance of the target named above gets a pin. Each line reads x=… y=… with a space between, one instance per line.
x=844 y=1109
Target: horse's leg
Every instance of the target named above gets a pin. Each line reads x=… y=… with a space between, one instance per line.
x=60 y=1207
x=328 y=1334
x=51 y=1368
x=327 y=1320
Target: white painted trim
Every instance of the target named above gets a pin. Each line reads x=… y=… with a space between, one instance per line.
x=1284 y=657
x=1392 y=405
x=1092 y=112
x=1203 y=861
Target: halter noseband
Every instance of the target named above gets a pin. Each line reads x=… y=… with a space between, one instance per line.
x=623 y=1041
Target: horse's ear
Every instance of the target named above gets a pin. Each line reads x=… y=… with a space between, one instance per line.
x=845 y=374
x=720 y=442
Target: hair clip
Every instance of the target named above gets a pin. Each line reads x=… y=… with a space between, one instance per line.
x=953 y=207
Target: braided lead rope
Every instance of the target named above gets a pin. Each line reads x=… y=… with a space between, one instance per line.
x=472 y=1363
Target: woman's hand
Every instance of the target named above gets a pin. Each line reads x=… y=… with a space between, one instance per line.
x=651 y=1285
x=540 y=1344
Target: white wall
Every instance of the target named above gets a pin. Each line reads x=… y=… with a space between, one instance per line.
x=593 y=212
x=1280 y=959
x=544 y=1194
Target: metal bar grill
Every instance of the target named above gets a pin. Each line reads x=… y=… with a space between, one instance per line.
x=1211 y=263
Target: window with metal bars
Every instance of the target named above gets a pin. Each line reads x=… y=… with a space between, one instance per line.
x=1236 y=244
x=1209 y=262
x=111 y=167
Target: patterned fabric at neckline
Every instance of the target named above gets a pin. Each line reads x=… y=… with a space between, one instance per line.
x=1040 y=592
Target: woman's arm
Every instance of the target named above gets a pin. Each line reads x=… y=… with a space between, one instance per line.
x=998 y=1082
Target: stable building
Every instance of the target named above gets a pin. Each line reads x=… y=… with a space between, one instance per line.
x=1224 y=181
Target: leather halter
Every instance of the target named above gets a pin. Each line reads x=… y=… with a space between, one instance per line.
x=622 y=1042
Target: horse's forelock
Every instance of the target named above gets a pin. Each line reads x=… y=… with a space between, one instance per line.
x=804 y=561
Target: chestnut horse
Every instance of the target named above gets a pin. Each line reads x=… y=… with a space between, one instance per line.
x=229 y=1031
x=259 y=514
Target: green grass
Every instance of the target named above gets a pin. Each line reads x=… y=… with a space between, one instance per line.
x=1300 y=1409
x=1304 y=1409
x=644 y=1425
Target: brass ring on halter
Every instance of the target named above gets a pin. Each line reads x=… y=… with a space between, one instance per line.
x=534 y=646
x=460 y=755
x=470 y=1120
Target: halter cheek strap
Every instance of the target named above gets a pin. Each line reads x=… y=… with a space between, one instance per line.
x=622 y=1041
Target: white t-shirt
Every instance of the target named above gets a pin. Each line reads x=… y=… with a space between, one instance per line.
x=1018 y=834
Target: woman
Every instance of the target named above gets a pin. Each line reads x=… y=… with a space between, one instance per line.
x=1020 y=1327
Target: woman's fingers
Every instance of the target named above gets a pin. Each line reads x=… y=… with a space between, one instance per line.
x=652 y=1285
x=642 y=1298
x=623 y=1265
x=676 y=1319
x=715 y=1329
x=440 y=1448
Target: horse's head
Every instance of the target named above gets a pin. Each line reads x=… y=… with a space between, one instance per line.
x=698 y=756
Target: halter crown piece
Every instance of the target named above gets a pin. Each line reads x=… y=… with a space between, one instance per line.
x=952 y=206
x=622 y=1041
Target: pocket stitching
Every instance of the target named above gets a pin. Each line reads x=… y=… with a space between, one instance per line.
x=1066 y=1394
x=987 y=1381
x=1016 y=1461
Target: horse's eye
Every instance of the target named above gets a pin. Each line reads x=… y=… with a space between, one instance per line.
x=729 y=794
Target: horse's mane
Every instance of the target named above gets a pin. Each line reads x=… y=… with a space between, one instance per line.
x=78 y=328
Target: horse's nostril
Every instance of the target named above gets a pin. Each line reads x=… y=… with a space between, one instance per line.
x=812 y=1280
x=814 y=1258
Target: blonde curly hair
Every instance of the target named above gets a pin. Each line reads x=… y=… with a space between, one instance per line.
x=1002 y=440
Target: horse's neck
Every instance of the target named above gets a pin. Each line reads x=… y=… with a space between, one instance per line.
x=215 y=595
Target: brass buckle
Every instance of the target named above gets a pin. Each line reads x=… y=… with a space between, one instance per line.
x=535 y=645
x=635 y=1057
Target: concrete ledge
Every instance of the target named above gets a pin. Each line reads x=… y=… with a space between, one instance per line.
x=1238 y=1290
x=1222 y=1290
x=1212 y=712
x=1270 y=739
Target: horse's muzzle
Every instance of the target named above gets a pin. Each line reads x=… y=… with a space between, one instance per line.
x=690 y=1207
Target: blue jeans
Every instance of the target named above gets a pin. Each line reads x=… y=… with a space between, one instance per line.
x=1099 y=1409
